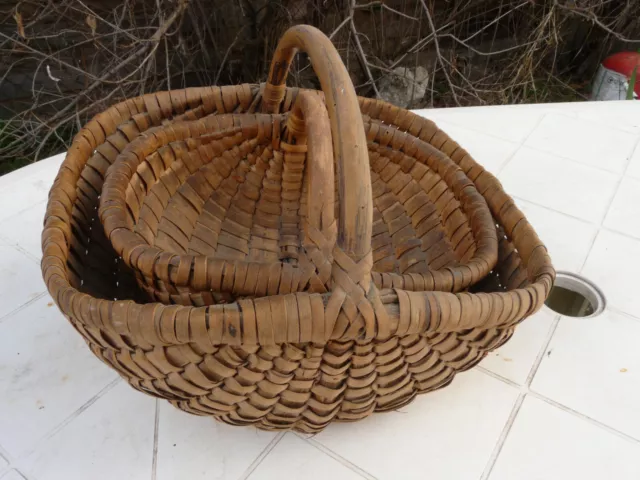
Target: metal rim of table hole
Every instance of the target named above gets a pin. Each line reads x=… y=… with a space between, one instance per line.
x=574 y=296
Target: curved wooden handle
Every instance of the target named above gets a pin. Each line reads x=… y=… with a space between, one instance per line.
x=349 y=141
x=308 y=124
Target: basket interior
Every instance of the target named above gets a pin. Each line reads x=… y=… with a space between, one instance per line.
x=225 y=194
x=405 y=239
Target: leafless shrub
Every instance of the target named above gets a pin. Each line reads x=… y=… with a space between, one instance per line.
x=65 y=60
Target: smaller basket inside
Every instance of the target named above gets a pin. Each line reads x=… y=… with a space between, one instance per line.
x=210 y=210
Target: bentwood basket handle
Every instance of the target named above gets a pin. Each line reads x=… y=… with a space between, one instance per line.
x=349 y=141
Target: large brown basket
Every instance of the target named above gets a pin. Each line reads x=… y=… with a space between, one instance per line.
x=298 y=360
x=212 y=209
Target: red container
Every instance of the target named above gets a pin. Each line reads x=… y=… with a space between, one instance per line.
x=612 y=79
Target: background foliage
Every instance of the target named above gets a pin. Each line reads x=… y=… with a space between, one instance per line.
x=65 y=60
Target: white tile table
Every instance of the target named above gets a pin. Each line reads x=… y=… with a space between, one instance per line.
x=560 y=400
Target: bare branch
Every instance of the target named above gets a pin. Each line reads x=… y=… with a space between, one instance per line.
x=361 y=55
x=47 y=57
x=386 y=7
x=226 y=55
x=339 y=27
x=71 y=57
x=438 y=54
x=589 y=15
x=156 y=37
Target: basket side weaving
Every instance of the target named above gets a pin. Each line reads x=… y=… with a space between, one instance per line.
x=282 y=361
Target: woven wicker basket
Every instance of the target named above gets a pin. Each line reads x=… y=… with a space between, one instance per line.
x=209 y=210
x=298 y=360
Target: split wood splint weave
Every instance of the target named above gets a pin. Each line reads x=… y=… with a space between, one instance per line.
x=372 y=340
x=209 y=210
x=206 y=208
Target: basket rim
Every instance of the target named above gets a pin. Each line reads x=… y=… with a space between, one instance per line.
x=113 y=207
x=142 y=256
x=156 y=324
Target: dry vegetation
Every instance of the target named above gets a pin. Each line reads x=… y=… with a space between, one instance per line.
x=64 y=60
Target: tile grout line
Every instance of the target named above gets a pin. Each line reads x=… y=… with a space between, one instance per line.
x=4 y=455
x=24 y=305
x=527 y=391
x=610 y=203
x=154 y=460
x=582 y=416
x=617 y=311
x=546 y=207
x=472 y=129
x=598 y=226
x=25 y=476
x=549 y=401
x=343 y=461
x=44 y=200
x=12 y=243
x=619 y=182
x=69 y=419
x=576 y=162
x=557 y=107
x=519 y=146
x=28 y=254
x=620 y=177
x=541 y=353
x=265 y=452
x=10 y=467
x=451 y=119
x=497 y=376
x=594 y=123
x=543 y=112
x=503 y=437
x=568 y=215
x=524 y=390
x=618 y=232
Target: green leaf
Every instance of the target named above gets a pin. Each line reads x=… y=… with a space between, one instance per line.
x=632 y=83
